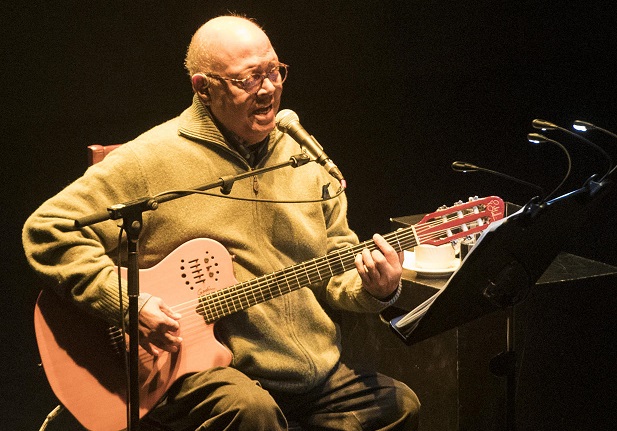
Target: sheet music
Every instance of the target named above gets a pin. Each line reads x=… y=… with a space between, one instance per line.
x=407 y=323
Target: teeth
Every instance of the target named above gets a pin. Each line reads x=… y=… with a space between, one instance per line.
x=262 y=110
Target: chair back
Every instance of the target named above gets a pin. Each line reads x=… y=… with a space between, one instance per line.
x=97 y=152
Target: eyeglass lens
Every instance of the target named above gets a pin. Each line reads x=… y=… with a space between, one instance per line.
x=276 y=76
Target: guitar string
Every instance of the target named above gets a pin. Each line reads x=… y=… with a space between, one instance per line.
x=236 y=292
x=219 y=305
x=310 y=269
x=300 y=274
x=194 y=323
x=240 y=289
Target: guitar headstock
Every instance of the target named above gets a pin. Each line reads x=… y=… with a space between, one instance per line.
x=459 y=221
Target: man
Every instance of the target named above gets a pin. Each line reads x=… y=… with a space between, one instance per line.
x=286 y=350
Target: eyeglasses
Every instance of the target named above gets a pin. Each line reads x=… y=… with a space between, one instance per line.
x=252 y=83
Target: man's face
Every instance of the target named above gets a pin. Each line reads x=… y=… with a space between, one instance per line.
x=251 y=117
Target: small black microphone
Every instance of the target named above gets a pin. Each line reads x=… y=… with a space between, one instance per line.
x=546 y=125
x=464 y=167
x=536 y=138
x=288 y=121
x=468 y=167
x=583 y=126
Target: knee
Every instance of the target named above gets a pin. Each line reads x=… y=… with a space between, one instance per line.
x=255 y=410
x=259 y=408
x=409 y=407
x=222 y=398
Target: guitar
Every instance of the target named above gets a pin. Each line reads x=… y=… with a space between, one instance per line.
x=83 y=359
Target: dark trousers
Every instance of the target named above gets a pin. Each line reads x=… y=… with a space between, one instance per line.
x=226 y=399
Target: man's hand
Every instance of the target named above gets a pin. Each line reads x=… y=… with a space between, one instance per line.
x=158 y=327
x=381 y=269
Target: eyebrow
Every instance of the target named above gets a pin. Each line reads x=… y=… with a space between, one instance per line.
x=249 y=70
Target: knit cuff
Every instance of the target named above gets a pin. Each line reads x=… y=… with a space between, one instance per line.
x=377 y=304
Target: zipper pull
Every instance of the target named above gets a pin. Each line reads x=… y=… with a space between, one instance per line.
x=255 y=185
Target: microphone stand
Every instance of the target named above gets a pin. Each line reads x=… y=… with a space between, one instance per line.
x=131 y=215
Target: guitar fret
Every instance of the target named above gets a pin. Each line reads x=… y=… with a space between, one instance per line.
x=218 y=305
x=327 y=261
x=314 y=271
x=278 y=286
x=235 y=300
x=224 y=307
x=398 y=242
x=263 y=298
x=307 y=279
x=269 y=287
x=246 y=297
x=289 y=289
x=295 y=273
x=317 y=269
x=254 y=296
x=310 y=272
x=286 y=286
x=224 y=304
x=230 y=302
x=340 y=263
x=205 y=311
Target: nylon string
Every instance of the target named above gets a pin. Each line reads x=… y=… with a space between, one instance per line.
x=242 y=295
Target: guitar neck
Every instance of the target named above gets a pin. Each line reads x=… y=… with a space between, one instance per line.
x=440 y=227
x=243 y=295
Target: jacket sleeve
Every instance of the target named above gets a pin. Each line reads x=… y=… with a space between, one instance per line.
x=345 y=291
x=76 y=263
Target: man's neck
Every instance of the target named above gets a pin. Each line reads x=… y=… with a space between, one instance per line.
x=251 y=152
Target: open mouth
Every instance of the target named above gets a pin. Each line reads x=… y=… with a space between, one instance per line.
x=262 y=111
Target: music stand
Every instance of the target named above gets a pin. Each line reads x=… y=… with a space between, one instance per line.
x=500 y=270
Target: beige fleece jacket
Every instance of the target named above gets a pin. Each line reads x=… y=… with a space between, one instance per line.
x=288 y=343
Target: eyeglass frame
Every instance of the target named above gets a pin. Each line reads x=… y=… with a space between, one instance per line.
x=262 y=76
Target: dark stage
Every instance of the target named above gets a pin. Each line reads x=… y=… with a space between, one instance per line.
x=394 y=90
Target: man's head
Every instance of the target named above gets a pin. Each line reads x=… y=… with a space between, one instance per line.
x=223 y=53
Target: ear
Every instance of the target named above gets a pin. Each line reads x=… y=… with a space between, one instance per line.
x=201 y=84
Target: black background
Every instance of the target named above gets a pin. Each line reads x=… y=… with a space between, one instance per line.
x=395 y=91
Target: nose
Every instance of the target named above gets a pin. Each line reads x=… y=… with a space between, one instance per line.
x=267 y=86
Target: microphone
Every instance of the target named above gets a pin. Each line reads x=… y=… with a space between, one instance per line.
x=468 y=167
x=583 y=126
x=536 y=138
x=465 y=167
x=545 y=125
x=287 y=121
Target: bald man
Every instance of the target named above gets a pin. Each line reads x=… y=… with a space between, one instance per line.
x=286 y=350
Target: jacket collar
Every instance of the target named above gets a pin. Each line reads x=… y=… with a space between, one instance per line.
x=196 y=123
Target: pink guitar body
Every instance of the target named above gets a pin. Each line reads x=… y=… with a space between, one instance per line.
x=71 y=343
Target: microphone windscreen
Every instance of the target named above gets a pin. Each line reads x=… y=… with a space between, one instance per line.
x=285 y=117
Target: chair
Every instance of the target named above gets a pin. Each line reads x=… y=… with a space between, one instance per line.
x=97 y=152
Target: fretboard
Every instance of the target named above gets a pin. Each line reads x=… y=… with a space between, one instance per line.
x=243 y=295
